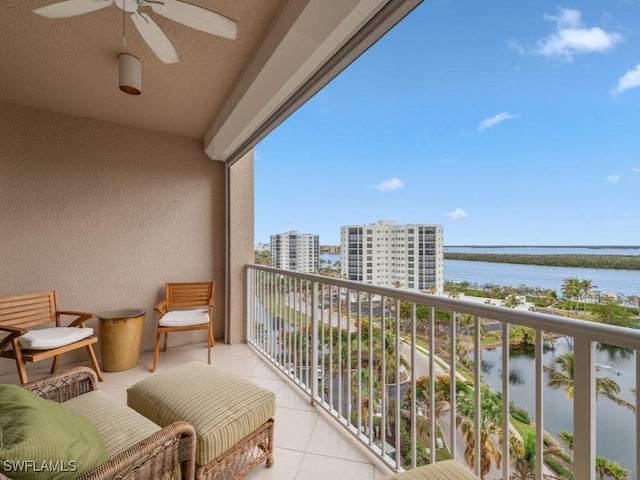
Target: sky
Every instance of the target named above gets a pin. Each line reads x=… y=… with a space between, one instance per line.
x=507 y=122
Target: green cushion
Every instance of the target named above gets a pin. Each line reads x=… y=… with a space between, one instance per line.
x=119 y=426
x=41 y=439
x=445 y=470
x=222 y=407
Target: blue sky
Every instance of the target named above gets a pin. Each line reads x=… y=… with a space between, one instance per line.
x=508 y=122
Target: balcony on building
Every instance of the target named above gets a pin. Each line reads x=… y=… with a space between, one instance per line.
x=106 y=197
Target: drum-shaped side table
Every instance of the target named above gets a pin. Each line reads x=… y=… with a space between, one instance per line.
x=120 y=334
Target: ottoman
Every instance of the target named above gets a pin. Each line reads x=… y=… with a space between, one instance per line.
x=232 y=417
x=445 y=470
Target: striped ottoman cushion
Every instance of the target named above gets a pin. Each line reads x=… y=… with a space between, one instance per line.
x=222 y=407
x=119 y=426
x=445 y=470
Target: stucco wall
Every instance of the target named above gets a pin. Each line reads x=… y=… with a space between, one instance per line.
x=106 y=214
x=241 y=246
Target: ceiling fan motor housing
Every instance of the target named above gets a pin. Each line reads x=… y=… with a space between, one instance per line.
x=127 y=5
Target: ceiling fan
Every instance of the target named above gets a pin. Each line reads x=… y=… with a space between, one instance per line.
x=185 y=13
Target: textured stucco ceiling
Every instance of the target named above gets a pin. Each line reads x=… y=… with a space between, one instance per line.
x=70 y=65
x=229 y=93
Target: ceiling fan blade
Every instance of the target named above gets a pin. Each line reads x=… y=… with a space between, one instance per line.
x=155 y=38
x=71 y=8
x=196 y=17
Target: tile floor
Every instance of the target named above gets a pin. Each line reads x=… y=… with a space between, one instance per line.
x=307 y=445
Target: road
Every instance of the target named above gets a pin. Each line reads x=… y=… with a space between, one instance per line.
x=421 y=369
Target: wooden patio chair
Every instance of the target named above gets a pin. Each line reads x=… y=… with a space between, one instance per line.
x=19 y=314
x=187 y=306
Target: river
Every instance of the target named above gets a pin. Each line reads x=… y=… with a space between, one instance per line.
x=615 y=432
x=625 y=282
x=615 y=435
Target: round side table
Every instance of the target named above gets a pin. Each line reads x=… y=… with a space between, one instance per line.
x=120 y=334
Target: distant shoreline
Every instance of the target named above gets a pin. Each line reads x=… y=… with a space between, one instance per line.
x=611 y=262
x=594 y=247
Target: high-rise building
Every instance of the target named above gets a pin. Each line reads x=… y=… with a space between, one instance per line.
x=295 y=251
x=403 y=256
x=261 y=247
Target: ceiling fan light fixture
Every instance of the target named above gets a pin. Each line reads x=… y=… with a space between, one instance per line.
x=130 y=74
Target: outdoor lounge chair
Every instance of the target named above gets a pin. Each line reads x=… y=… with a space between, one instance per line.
x=19 y=315
x=187 y=306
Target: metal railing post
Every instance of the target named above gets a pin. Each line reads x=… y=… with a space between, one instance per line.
x=506 y=422
x=539 y=381
x=584 y=408
x=312 y=371
x=281 y=309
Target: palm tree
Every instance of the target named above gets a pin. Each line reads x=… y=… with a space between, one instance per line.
x=389 y=353
x=552 y=297
x=490 y=431
x=615 y=471
x=561 y=377
x=368 y=401
x=512 y=301
x=610 y=469
x=523 y=456
x=465 y=322
x=422 y=395
x=567 y=440
x=571 y=288
x=587 y=290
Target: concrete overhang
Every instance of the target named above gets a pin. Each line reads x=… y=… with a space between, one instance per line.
x=309 y=43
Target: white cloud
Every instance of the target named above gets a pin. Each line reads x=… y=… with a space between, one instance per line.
x=613 y=178
x=457 y=213
x=631 y=79
x=566 y=18
x=391 y=184
x=635 y=169
x=490 y=122
x=571 y=37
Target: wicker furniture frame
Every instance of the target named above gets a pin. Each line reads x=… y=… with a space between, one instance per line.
x=19 y=313
x=172 y=447
x=244 y=456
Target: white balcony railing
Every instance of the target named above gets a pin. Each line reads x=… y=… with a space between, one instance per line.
x=340 y=341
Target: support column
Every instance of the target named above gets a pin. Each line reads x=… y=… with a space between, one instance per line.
x=239 y=248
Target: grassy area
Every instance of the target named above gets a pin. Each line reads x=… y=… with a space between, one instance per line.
x=555 y=457
x=444 y=453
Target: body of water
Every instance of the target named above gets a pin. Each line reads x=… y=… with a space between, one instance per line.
x=625 y=282
x=533 y=250
x=615 y=435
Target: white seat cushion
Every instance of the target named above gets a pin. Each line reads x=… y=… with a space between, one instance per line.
x=54 y=337
x=183 y=318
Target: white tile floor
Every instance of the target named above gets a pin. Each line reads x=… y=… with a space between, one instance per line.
x=307 y=445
